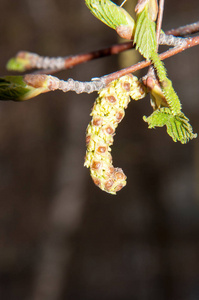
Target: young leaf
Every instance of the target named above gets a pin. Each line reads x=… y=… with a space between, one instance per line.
x=145 y=39
x=145 y=34
x=113 y=16
x=15 y=88
x=166 y=84
x=152 y=8
x=178 y=126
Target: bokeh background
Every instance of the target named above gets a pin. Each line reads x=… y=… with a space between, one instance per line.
x=60 y=236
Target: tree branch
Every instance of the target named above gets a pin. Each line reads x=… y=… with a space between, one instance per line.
x=53 y=83
x=55 y=64
x=185 y=30
x=188 y=43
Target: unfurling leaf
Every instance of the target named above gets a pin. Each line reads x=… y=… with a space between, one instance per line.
x=145 y=33
x=113 y=16
x=178 y=126
x=152 y=8
x=166 y=85
x=145 y=39
x=15 y=88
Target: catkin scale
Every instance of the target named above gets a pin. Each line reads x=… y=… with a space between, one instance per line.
x=107 y=113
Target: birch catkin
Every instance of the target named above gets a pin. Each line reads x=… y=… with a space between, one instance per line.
x=107 y=113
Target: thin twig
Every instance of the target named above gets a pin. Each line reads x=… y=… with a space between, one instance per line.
x=189 y=42
x=123 y=3
x=53 y=65
x=53 y=83
x=159 y=21
x=63 y=63
x=88 y=87
x=185 y=30
x=171 y=40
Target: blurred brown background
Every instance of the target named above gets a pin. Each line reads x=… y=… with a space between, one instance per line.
x=60 y=236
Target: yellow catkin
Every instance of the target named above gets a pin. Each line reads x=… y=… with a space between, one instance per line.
x=107 y=113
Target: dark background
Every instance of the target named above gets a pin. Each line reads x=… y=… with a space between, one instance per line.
x=60 y=236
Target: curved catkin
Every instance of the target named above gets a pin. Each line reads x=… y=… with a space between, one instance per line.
x=107 y=113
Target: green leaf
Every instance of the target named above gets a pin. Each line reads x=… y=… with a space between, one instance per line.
x=145 y=34
x=15 y=88
x=171 y=97
x=111 y=14
x=145 y=39
x=178 y=126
